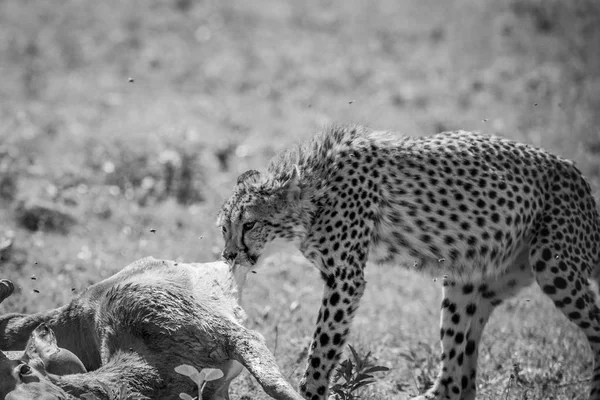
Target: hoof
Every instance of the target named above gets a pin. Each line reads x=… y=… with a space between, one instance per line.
x=6 y=289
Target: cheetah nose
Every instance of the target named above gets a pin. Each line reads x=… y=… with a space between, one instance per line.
x=229 y=255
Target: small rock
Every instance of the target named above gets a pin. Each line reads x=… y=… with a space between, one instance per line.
x=37 y=215
x=294 y=306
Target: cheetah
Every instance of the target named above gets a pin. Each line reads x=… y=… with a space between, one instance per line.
x=488 y=214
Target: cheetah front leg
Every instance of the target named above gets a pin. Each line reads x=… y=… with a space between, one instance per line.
x=341 y=296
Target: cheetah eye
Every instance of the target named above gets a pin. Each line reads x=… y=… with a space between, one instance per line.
x=24 y=369
x=223 y=229
x=249 y=225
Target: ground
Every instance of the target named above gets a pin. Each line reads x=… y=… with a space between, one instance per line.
x=128 y=123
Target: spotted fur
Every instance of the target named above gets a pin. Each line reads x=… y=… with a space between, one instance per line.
x=490 y=214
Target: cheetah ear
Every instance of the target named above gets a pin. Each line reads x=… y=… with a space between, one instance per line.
x=291 y=187
x=250 y=176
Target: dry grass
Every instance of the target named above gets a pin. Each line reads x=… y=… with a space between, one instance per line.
x=138 y=116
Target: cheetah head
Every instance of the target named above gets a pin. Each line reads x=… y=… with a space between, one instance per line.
x=262 y=211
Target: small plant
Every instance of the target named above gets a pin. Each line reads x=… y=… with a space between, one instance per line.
x=200 y=378
x=424 y=363
x=352 y=375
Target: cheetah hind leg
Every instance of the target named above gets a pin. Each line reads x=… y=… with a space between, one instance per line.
x=564 y=279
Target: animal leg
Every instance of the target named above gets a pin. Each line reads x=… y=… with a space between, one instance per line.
x=341 y=298
x=493 y=292
x=249 y=348
x=563 y=277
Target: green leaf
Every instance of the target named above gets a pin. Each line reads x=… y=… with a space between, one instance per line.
x=186 y=370
x=364 y=361
x=361 y=384
x=198 y=377
x=346 y=368
x=409 y=357
x=185 y=396
x=362 y=377
x=212 y=374
x=378 y=368
x=354 y=354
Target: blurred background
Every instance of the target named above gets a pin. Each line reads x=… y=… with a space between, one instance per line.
x=124 y=124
